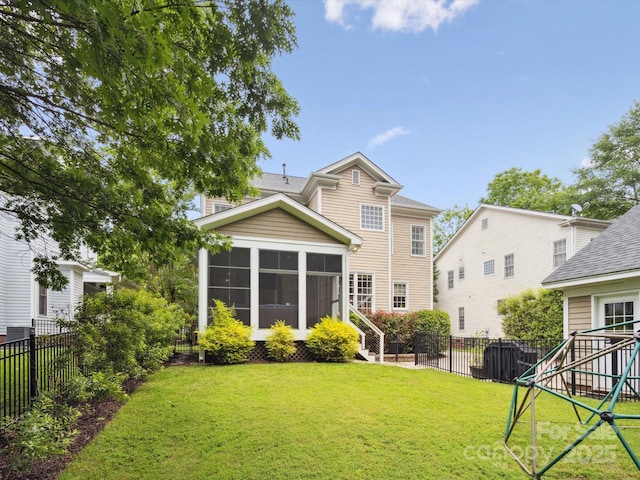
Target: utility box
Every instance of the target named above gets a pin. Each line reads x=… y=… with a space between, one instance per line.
x=17 y=333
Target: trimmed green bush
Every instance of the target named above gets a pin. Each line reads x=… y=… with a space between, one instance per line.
x=126 y=331
x=332 y=340
x=406 y=325
x=434 y=322
x=227 y=340
x=280 y=342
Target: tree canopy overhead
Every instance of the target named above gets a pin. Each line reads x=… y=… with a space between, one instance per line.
x=530 y=190
x=610 y=185
x=112 y=113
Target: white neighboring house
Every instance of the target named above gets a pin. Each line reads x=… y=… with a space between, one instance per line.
x=502 y=251
x=23 y=300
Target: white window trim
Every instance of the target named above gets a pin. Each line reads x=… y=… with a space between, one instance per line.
x=424 y=239
x=381 y=207
x=451 y=279
x=598 y=301
x=513 y=265
x=355 y=177
x=484 y=274
x=406 y=295
x=464 y=319
x=373 y=287
x=553 y=252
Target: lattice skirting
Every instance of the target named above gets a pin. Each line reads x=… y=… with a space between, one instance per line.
x=259 y=353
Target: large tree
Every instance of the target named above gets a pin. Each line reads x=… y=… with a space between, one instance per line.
x=610 y=185
x=111 y=111
x=530 y=190
x=447 y=224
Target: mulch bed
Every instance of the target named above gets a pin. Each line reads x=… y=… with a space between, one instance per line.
x=94 y=417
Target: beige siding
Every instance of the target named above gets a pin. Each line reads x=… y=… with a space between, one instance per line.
x=413 y=270
x=528 y=237
x=313 y=202
x=579 y=313
x=276 y=224
x=342 y=205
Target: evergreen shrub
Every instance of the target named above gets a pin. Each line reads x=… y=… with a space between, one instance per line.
x=227 y=340
x=280 y=342
x=332 y=340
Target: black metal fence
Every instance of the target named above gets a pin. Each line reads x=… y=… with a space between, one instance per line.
x=32 y=365
x=502 y=360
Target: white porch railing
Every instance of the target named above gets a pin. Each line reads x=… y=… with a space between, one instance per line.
x=371 y=337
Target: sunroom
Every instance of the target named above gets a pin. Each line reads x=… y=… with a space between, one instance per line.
x=287 y=263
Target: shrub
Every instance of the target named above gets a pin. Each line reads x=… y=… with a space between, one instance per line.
x=332 y=340
x=226 y=339
x=95 y=386
x=434 y=322
x=533 y=315
x=126 y=331
x=46 y=429
x=280 y=342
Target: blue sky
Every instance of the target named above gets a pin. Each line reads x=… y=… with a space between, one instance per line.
x=445 y=95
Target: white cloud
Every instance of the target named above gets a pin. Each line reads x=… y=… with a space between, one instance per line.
x=399 y=15
x=388 y=135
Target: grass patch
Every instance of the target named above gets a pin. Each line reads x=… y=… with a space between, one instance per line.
x=322 y=421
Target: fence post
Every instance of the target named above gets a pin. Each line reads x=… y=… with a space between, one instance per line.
x=450 y=353
x=33 y=365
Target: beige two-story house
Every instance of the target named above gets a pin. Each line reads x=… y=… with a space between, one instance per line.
x=310 y=247
x=502 y=251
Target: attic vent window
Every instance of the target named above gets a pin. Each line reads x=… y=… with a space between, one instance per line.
x=355 y=177
x=485 y=223
x=221 y=207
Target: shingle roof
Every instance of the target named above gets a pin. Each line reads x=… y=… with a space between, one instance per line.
x=615 y=250
x=275 y=182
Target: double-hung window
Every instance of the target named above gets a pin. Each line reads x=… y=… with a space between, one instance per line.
x=400 y=295
x=559 y=252
x=509 y=267
x=418 y=238
x=361 y=291
x=450 y=279
x=460 y=318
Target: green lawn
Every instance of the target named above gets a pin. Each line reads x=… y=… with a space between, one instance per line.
x=329 y=421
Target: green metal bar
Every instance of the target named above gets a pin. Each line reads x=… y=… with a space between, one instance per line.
x=625 y=444
x=569 y=448
x=623 y=377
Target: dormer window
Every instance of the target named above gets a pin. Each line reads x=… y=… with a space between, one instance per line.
x=355 y=177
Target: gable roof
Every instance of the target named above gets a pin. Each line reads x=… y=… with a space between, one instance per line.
x=563 y=220
x=299 y=187
x=282 y=201
x=613 y=254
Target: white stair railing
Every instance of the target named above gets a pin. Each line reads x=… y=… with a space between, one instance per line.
x=371 y=337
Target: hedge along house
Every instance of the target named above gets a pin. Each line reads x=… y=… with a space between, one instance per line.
x=287 y=263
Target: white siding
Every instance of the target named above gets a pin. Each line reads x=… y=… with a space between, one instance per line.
x=528 y=237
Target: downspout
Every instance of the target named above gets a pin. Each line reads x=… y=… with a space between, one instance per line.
x=389 y=273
